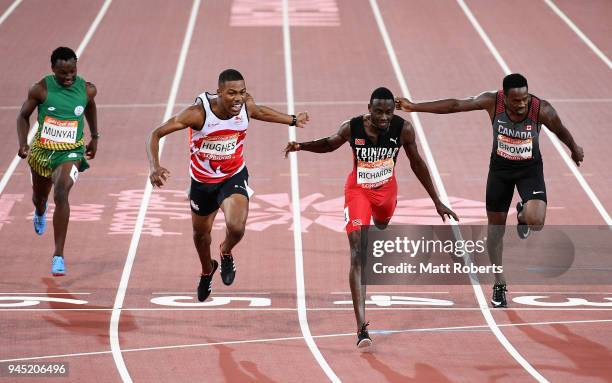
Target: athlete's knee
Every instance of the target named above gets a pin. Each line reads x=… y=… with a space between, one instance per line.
x=236 y=228
x=202 y=237
x=495 y=232
x=60 y=194
x=356 y=258
x=39 y=200
x=381 y=225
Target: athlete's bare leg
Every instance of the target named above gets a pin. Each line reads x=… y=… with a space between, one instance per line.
x=236 y=209
x=202 y=227
x=62 y=183
x=495 y=240
x=358 y=290
x=533 y=214
x=41 y=187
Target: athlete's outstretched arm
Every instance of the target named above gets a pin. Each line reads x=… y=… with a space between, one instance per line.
x=264 y=113
x=550 y=118
x=91 y=114
x=322 y=145
x=419 y=168
x=484 y=101
x=192 y=116
x=36 y=96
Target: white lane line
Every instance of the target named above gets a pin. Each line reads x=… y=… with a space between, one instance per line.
x=216 y=293
x=316 y=309
x=555 y=141
x=45 y=293
x=9 y=10
x=92 y=29
x=266 y=340
x=295 y=203
x=129 y=262
x=444 y=197
x=394 y=292
x=579 y=33
x=561 y=292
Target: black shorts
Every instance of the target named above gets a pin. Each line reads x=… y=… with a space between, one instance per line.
x=206 y=198
x=529 y=182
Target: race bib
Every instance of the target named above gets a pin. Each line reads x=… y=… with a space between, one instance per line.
x=514 y=148
x=219 y=145
x=372 y=174
x=60 y=131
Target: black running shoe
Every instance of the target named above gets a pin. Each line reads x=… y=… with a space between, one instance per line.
x=205 y=286
x=521 y=228
x=363 y=338
x=228 y=269
x=499 y=295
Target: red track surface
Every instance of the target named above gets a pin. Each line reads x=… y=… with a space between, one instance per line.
x=132 y=59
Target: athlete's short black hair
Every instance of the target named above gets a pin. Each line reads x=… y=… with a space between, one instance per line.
x=229 y=75
x=381 y=93
x=62 y=53
x=514 y=80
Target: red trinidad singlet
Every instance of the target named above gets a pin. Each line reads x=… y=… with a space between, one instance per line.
x=374 y=162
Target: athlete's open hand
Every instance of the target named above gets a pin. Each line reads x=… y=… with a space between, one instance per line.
x=23 y=151
x=444 y=211
x=302 y=119
x=159 y=176
x=404 y=104
x=292 y=146
x=578 y=155
x=91 y=149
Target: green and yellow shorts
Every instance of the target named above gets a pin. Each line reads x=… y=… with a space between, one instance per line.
x=44 y=161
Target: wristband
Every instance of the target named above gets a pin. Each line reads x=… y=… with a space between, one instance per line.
x=97 y=135
x=294 y=121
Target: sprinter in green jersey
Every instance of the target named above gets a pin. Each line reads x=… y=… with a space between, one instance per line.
x=58 y=152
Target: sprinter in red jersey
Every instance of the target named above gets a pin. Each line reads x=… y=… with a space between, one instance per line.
x=371 y=188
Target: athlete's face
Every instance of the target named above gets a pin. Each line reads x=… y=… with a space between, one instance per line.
x=517 y=100
x=65 y=72
x=232 y=95
x=381 y=113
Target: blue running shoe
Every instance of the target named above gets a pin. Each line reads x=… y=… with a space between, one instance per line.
x=40 y=222
x=57 y=266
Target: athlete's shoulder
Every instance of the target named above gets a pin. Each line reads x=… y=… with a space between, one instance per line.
x=355 y=122
x=402 y=123
x=91 y=90
x=489 y=97
x=407 y=132
x=546 y=111
x=357 y=118
x=38 y=90
x=397 y=119
x=192 y=116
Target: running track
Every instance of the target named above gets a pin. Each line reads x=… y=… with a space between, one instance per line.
x=125 y=268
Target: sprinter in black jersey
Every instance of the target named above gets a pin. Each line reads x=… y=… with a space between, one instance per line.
x=370 y=190
x=517 y=117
